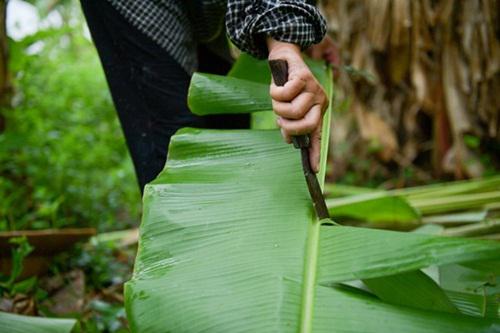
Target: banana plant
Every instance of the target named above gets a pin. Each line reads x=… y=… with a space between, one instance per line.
x=229 y=241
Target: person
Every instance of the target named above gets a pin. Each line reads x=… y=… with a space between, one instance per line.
x=150 y=48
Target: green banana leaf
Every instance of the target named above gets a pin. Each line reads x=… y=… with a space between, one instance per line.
x=375 y=207
x=240 y=96
x=413 y=289
x=229 y=242
x=244 y=90
x=474 y=289
x=339 y=310
x=14 y=323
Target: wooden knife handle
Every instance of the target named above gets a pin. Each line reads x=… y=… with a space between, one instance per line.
x=279 y=70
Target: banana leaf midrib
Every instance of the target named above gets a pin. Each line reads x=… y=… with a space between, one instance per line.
x=313 y=230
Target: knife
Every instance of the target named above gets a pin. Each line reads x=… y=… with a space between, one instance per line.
x=279 y=70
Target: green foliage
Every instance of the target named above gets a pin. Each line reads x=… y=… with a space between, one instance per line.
x=107 y=318
x=229 y=243
x=473 y=287
x=20 y=251
x=414 y=289
x=100 y=266
x=14 y=323
x=97 y=260
x=106 y=266
x=374 y=207
x=241 y=96
x=63 y=161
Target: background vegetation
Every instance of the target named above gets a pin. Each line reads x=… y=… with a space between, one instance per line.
x=63 y=161
x=429 y=108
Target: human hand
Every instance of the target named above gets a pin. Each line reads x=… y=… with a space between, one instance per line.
x=301 y=102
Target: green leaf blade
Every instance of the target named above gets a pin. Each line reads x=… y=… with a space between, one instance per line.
x=413 y=289
x=215 y=94
x=379 y=207
x=15 y=323
x=355 y=253
x=345 y=310
x=474 y=288
x=216 y=260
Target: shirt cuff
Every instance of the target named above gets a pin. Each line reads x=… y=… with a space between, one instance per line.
x=287 y=21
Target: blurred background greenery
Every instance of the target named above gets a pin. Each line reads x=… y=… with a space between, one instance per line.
x=63 y=160
x=63 y=163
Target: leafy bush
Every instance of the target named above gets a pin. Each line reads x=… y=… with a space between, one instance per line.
x=63 y=161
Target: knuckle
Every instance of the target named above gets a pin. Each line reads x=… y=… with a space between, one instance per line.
x=298 y=112
x=288 y=134
x=310 y=125
x=308 y=101
x=305 y=74
x=286 y=95
x=285 y=126
x=278 y=110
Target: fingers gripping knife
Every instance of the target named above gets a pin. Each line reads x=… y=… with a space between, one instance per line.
x=279 y=70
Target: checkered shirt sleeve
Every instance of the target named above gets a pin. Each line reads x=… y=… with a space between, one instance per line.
x=248 y=22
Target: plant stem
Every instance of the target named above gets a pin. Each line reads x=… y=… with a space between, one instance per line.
x=477 y=229
x=436 y=205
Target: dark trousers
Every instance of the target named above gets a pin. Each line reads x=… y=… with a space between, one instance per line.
x=149 y=88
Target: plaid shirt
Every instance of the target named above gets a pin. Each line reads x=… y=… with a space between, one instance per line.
x=177 y=26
